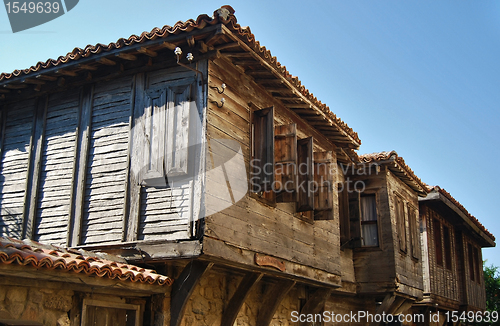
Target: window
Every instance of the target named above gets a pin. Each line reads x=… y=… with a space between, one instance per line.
x=414 y=232
x=401 y=222
x=437 y=241
x=447 y=246
x=305 y=175
x=323 y=186
x=262 y=163
x=369 y=228
x=471 y=261
x=285 y=157
x=166 y=129
x=96 y=312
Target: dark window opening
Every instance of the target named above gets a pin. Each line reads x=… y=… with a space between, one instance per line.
x=437 y=242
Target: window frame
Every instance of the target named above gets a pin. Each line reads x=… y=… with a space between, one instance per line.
x=370 y=222
x=113 y=305
x=438 y=244
x=401 y=218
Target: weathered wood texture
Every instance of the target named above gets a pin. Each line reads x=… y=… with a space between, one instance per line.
x=388 y=266
x=54 y=197
x=70 y=174
x=16 y=148
x=251 y=223
x=475 y=295
x=443 y=279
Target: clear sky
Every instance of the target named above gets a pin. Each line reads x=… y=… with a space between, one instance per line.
x=419 y=77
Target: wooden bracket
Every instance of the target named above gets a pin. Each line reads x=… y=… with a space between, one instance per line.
x=239 y=297
x=183 y=288
x=271 y=301
x=315 y=303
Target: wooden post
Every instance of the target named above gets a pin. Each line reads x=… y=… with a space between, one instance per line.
x=239 y=298
x=33 y=174
x=271 y=301
x=183 y=288
x=80 y=167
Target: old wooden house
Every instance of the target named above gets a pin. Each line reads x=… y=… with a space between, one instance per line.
x=190 y=154
x=452 y=263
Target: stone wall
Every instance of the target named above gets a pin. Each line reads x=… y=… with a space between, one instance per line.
x=46 y=306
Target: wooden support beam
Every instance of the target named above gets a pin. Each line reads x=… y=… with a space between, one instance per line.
x=239 y=297
x=168 y=45
x=33 y=81
x=106 y=61
x=227 y=46
x=183 y=288
x=66 y=73
x=274 y=81
x=46 y=78
x=127 y=56
x=262 y=73
x=202 y=46
x=190 y=41
x=80 y=167
x=238 y=54
x=246 y=63
x=87 y=67
x=15 y=86
x=297 y=106
x=148 y=52
x=34 y=167
x=315 y=303
x=4 y=91
x=271 y=301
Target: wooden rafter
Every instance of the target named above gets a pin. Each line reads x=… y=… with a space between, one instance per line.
x=46 y=78
x=107 y=62
x=148 y=52
x=239 y=297
x=127 y=56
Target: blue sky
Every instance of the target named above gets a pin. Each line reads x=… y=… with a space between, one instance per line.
x=419 y=77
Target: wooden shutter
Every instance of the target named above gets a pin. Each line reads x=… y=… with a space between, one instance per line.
x=401 y=222
x=414 y=231
x=263 y=150
x=285 y=157
x=355 y=219
x=305 y=175
x=177 y=139
x=323 y=180
x=154 y=133
x=345 y=232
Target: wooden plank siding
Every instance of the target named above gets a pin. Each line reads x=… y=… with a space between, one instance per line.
x=70 y=164
x=54 y=197
x=388 y=266
x=252 y=223
x=16 y=150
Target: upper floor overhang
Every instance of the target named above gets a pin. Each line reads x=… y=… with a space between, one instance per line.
x=205 y=37
x=441 y=200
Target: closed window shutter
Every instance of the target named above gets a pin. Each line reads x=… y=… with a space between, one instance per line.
x=305 y=175
x=345 y=232
x=263 y=150
x=154 y=132
x=323 y=180
x=177 y=140
x=285 y=156
x=355 y=219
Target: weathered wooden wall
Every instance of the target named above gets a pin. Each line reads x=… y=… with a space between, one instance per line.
x=443 y=281
x=387 y=267
x=374 y=267
x=408 y=263
x=71 y=164
x=475 y=293
x=251 y=224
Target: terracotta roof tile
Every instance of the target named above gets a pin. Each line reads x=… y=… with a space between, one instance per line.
x=30 y=253
x=224 y=15
x=403 y=169
x=463 y=209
